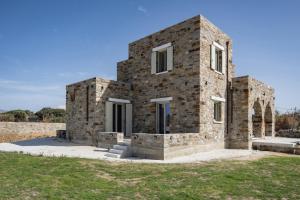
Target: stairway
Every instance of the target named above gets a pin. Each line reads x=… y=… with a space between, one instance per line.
x=119 y=150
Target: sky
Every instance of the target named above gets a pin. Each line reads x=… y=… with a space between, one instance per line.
x=47 y=44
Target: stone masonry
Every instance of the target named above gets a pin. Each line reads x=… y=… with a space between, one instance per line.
x=191 y=84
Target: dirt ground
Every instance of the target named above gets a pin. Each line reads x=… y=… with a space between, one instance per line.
x=21 y=137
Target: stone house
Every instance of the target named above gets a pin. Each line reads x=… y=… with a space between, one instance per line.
x=176 y=89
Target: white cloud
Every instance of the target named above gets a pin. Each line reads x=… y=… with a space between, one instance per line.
x=25 y=87
x=142 y=9
x=72 y=74
x=60 y=106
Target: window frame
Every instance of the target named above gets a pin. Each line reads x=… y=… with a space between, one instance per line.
x=159 y=68
x=219 y=57
x=166 y=128
x=168 y=59
x=218 y=60
x=218 y=112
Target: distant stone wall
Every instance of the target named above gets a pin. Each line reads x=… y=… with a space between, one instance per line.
x=288 y=133
x=166 y=146
x=14 y=131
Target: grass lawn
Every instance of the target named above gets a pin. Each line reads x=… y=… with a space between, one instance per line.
x=28 y=177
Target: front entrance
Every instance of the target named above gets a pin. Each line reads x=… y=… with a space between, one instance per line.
x=118 y=116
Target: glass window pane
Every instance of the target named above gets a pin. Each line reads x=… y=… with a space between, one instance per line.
x=161 y=118
x=114 y=117
x=168 y=117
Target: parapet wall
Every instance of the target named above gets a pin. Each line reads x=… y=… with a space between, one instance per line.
x=13 y=131
x=166 y=146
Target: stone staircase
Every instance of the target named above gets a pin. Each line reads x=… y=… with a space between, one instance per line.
x=119 y=150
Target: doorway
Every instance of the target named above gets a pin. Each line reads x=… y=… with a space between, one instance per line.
x=163 y=115
x=118 y=116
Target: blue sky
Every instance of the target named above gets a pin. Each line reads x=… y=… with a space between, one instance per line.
x=47 y=44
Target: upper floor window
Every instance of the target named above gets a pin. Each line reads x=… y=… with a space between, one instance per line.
x=162 y=59
x=218 y=62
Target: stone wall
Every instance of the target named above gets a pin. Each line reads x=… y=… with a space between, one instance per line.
x=108 y=139
x=191 y=83
x=85 y=107
x=245 y=92
x=181 y=83
x=288 y=133
x=166 y=146
x=13 y=131
x=213 y=83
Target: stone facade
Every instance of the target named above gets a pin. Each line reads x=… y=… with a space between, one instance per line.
x=108 y=140
x=166 y=146
x=253 y=112
x=192 y=84
x=86 y=107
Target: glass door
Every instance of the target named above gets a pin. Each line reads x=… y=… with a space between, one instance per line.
x=117 y=117
x=163 y=115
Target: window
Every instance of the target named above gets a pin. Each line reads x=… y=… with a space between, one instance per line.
x=87 y=103
x=117 y=118
x=218 y=111
x=163 y=116
x=162 y=59
x=218 y=61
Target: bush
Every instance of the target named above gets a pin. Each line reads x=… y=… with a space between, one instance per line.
x=44 y=115
x=19 y=115
x=51 y=115
x=6 y=117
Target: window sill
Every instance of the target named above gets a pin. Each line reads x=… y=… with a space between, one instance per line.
x=218 y=72
x=161 y=73
x=218 y=122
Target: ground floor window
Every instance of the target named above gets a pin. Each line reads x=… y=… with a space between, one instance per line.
x=218 y=111
x=163 y=115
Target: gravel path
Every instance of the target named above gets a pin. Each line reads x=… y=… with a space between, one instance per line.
x=57 y=147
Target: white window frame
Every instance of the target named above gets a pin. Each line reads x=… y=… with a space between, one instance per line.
x=154 y=62
x=214 y=47
x=163 y=103
x=219 y=100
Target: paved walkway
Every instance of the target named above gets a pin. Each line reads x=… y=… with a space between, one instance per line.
x=57 y=147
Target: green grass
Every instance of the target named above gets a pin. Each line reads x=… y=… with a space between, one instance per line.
x=29 y=177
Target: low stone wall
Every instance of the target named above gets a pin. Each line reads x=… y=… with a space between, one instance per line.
x=166 y=146
x=145 y=145
x=288 y=133
x=15 y=131
x=277 y=147
x=108 y=139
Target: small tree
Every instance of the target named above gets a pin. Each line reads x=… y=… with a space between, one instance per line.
x=19 y=115
x=4 y=117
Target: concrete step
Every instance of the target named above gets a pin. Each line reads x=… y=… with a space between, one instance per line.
x=120 y=147
x=120 y=150
x=116 y=151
